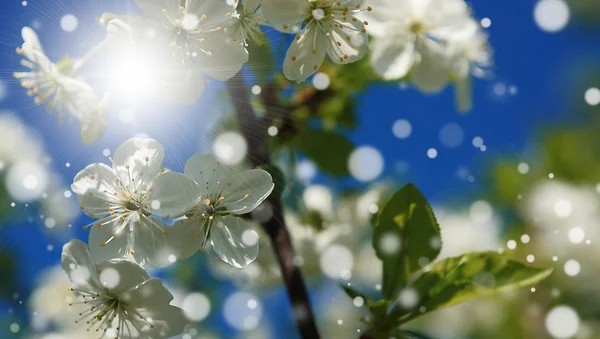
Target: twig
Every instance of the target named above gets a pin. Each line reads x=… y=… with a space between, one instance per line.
x=254 y=130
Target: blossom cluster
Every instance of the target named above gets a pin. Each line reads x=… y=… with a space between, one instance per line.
x=131 y=201
x=429 y=42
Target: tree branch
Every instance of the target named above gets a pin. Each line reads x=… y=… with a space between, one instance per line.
x=255 y=130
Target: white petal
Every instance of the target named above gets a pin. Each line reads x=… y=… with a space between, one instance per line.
x=209 y=173
x=234 y=241
x=92 y=128
x=172 y=195
x=300 y=61
x=287 y=15
x=95 y=185
x=153 y=9
x=148 y=294
x=391 y=58
x=226 y=58
x=167 y=321
x=77 y=263
x=215 y=10
x=348 y=44
x=149 y=242
x=31 y=41
x=120 y=276
x=248 y=189
x=431 y=73
x=180 y=84
x=142 y=156
x=110 y=240
x=185 y=235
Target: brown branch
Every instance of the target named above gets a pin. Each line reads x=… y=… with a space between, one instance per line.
x=255 y=130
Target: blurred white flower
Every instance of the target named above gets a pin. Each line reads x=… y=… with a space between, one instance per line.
x=122 y=301
x=330 y=27
x=49 y=302
x=318 y=198
x=122 y=198
x=55 y=85
x=211 y=194
x=410 y=36
x=462 y=233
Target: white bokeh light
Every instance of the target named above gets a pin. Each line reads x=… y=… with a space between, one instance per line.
x=592 y=96
x=432 y=153
x=365 y=163
x=523 y=168
x=572 y=268
x=69 y=23
x=196 y=306
x=230 y=148
x=576 y=235
x=318 y=198
x=451 y=135
x=335 y=260
x=402 y=129
x=562 y=322
x=242 y=311
x=306 y=170
x=26 y=181
x=408 y=298
x=109 y=277
x=563 y=208
x=551 y=15
x=511 y=244
x=481 y=212
x=321 y=81
x=389 y=243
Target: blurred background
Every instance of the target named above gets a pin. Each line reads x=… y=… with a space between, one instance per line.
x=520 y=172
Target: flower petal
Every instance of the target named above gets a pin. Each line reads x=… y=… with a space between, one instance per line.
x=110 y=240
x=392 y=59
x=149 y=243
x=172 y=195
x=216 y=12
x=234 y=241
x=120 y=276
x=153 y=9
x=167 y=321
x=95 y=186
x=286 y=16
x=300 y=61
x=225 y=59
x=247 y=190
x=148 y=294
x=77 y=263
x=93 y=127
x=209 y=173
x=431 y=73
x=137 y=161
x=348 y=44
x=185 y=235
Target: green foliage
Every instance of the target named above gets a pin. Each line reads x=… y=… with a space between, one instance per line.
x=260 y=59
x=407 y=216
x=407 y=219
x=328 y=150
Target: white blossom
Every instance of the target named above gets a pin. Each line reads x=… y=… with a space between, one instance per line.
x=330 y=27
x=411 y=38
x=122 y=198
x=215 y=195
x=122 y=301
x=55 y=85
x=246 y=23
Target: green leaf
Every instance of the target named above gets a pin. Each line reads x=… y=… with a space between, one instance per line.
x=407 y=221
x=329 y=151
x=455 y=280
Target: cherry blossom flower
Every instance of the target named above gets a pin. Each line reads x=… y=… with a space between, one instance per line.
x=246 y=23
x=221 y=195
x=122 y=301
x=411 y=38
x=55 y=85
x=121 y=198
x=195 y=33
x=330 y=27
